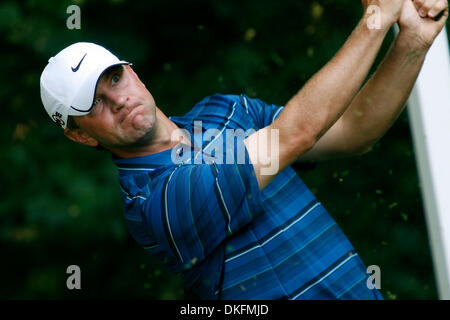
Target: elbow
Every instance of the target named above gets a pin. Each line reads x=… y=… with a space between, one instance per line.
x=304 y=140
x=293 y=142
x=363 y=150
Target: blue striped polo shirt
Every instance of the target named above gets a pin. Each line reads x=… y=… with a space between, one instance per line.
x=205 y=218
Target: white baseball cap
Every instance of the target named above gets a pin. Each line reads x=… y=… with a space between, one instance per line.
x=69 y=81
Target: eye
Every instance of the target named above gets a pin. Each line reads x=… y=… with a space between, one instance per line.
x=115 y=79
x=96 y=102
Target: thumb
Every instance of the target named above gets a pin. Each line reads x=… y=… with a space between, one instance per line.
x=442 y=20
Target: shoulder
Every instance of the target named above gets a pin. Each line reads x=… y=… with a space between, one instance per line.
x=217 y=103
x=223 y=104
x=217 y=110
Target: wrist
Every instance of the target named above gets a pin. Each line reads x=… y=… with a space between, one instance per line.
x=379 y=18
x=373 y=27
x=409 y=41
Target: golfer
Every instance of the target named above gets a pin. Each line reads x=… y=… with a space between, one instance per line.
x=209 y=211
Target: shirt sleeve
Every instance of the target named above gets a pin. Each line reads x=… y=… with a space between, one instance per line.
x=195 y=207
x=262 y=114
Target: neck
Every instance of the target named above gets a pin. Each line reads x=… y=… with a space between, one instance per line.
x=161 y=140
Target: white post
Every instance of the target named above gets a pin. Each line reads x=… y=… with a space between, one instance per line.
x=429 y=117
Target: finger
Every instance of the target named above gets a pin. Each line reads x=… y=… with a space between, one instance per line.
x=426 y=6
x=442 y=18
x=437 y=8
x=418 y=4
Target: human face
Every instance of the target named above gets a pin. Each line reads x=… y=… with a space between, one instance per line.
x=124 y=112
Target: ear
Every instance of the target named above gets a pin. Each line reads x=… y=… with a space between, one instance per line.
x=79 y=136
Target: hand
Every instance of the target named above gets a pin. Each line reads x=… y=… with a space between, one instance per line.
x=388 y=10
x=418 y=20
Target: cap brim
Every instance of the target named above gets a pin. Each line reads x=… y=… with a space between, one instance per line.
x=83 y=102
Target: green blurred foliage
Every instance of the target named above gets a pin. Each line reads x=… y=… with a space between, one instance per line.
x=60 y=201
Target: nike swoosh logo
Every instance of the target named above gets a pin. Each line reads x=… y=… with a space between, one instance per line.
x=79 y=63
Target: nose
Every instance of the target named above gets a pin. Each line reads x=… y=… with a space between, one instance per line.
x=118 y=101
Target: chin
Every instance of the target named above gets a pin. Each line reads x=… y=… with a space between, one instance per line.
x=145 y=132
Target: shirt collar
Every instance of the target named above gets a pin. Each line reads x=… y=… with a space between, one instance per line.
x=153 y=161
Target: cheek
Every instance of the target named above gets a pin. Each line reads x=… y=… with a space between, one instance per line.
x=101 y=126
x=145 y=93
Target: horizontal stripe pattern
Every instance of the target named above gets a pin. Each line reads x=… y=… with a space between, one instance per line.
x=271 y=235
x=323 y=275
x=211 y=223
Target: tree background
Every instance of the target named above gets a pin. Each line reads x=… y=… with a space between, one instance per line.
x=60 y=202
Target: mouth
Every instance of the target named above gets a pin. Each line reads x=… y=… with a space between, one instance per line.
x=131 y=113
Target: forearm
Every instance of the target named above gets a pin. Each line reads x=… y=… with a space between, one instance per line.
x=325 y=97
x=380 y=102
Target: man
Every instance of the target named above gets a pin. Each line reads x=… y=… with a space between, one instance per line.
x=233 y=230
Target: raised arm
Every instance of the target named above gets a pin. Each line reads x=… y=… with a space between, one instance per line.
x=324 y=98
x=382 y=99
